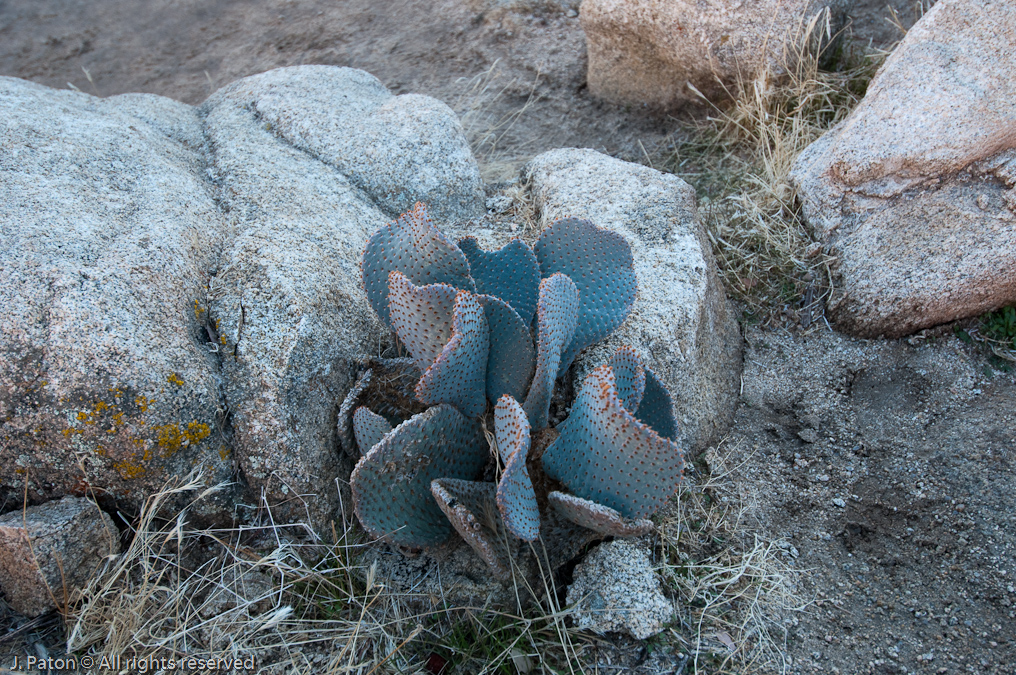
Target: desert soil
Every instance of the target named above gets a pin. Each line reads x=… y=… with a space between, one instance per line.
x=886 y=467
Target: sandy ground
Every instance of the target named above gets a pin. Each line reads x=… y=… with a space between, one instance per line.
x=887 y=468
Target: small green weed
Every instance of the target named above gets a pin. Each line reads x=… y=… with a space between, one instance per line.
x=995 y=334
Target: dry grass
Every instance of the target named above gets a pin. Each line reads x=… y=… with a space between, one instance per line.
x=294 y=607
x=739 y=160
x=737 y=590
x=299 y=608
x=254 y=592
x=486 y=119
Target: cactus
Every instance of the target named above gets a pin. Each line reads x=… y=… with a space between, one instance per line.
x=417 y=249
x=391 y=482
x=464 y=315
x=597 y=517
x=606 y=455
x=469 y=507
x=600 y=264
x=369 y=427
x=557 y=316
x=445 y=330
x=512 y=358
x=515 y=497
x=512 y=274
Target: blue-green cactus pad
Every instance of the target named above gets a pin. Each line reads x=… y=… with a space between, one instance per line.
x=369 y=428
x=597 y=517
x=459 y=374
x=512 y=357
x=414 y=246
x=557 y=315
x=470 y=508
x=515 y=497
x=657 y=408
x=421 y=316
x=391 y=483
x=607 y=456
x=601 y=265
x=511 y=274
x=629 y=377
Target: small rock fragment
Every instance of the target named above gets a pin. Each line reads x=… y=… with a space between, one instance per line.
x=49 y=552
x=615 y=589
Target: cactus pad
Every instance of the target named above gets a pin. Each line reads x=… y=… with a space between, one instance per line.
x=459 y=374
x=597 y=517
x=657 y=408
x=469 y=506
x=512 y=357
x=414 y=246
x=515 y=497
x=421 y=316
x=512 y=274
x=629 y=377
x=347 y=438
x=369 y=428
x=556 y=316
x=391 y=483
x=600 y=264
x=607 y=456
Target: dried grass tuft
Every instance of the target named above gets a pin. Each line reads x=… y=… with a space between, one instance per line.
x=739 y=160
x=486 y=118
x=257 y=592
x=736 y=590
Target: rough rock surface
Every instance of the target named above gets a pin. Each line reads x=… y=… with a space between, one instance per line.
x=287 y=299
x=616 y=590
x=650 y=51
x=398 y=149
x=109 y=231
x=50 y=551
x=681 y=324
x=181 y=286
x=913 y=192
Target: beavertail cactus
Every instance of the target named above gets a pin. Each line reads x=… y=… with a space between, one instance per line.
x=512 y=357
x=557 y=316
x=606 y=455
x=470 y=508
x=600 y=264
x=597 y=517
x=516 y=499
x=467 y=317
x=391 y=482
x=369 y=427
x=512 y=274
x=417 y=249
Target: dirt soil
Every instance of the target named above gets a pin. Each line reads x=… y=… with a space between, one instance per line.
x=886 y=466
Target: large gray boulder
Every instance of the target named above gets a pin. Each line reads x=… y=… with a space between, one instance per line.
x=659 y=52
x=398 y=150
x=109 y=230
x=681 y=323
x=180 y=286
x=48 y=553
x=913 y=192
x=308 y=163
